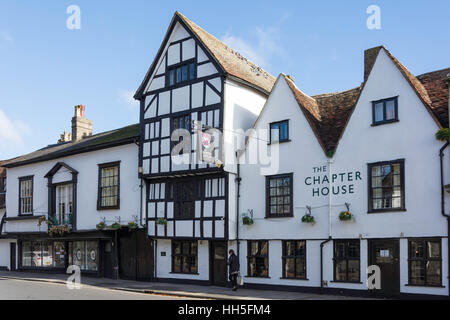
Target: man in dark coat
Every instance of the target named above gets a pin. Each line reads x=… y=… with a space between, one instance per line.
x=233 y=266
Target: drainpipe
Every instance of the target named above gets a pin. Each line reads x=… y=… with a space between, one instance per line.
x=238 y=195
x=330 y=162
x=441 y=156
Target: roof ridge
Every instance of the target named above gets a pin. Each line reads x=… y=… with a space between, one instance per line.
x=435 y=71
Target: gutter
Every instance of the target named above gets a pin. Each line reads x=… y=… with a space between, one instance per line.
x=441 y=156
x=238 y=196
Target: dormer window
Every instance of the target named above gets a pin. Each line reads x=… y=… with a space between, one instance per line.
x=181 y=73
x=384 y=111
x=279 y=131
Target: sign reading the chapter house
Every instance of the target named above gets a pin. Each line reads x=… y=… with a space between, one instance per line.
x=341 y=183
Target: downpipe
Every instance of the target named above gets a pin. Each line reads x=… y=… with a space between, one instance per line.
x=441 y=159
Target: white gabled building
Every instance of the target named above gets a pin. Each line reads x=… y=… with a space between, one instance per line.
x=371 y=151
x=57 y=197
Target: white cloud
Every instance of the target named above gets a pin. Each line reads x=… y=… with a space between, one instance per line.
x=126 y=98
x=264 y=46
x=11 y=132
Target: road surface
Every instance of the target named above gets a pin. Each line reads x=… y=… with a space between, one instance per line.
x=11 y=289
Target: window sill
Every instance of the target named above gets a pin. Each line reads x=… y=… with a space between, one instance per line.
x=279 y=216
x=386 y=210
x=350 y=282
x=301 y=279
x=186 y=273
x=424 y=285
x=257 y=277
x=384 y=122
x=108 y=208
x=278 y=142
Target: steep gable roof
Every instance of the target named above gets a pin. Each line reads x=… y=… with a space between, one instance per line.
x=326 y=113
x=436 y=85
x=232 y=63
x=103 y=140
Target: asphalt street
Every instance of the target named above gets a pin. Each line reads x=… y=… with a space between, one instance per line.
x=11 y=289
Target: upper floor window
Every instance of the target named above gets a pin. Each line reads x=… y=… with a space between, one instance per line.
x=184 y=195
x=279 y=196
x=181 y=73
x=64 y=204
x=385 y=111
x=182 y=122
x=386 y=186
x=109 y=186
x=279 y=131
x=26 y=195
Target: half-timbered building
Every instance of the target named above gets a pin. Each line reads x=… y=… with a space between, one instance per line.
x=198 y=84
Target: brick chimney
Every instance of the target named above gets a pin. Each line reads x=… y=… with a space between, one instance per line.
x=370 y=55
x=81 y=127
x=65 y=137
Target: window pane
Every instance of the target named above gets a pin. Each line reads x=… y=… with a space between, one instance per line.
x=264 y=247
x=341 y=270
x=92 y=255
x=378 y=111
x=390 y=110
x=26 y=254
x=192 y=71
x=289 y=266
x=178 y=80
x=59 y=254
x=184 y=73
x=37 y=254
x=47 y=254
x=434 y=249
x=434 y=273
x=300 y=266
x=417 y=249
x=353 y=270
x=284 y=130
x=417 y=273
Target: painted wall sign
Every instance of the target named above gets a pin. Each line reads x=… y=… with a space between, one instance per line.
x=341 y=182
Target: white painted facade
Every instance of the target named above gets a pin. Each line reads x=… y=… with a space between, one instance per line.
x=411 y=139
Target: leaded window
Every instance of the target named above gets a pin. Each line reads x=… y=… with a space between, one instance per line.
x=346 y=261
x=294 y=259
x=425 y=262
x=386 y=186
x=258 y=258
x=184 y=257
x=109 y=186
x=279 y=196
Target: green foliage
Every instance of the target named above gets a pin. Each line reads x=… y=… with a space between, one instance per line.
x=247 y=221
x=330 y=153
x=307 y=218
x=443 y=134
x=161 y=221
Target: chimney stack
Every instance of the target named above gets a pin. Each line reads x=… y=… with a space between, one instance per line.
x=65 y=137
x=81 y=127
x=370 y=55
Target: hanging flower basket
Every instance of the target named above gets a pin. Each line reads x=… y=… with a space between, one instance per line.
x=100 y=226
x=132 y=225
x=247 y=221
x=116 y=226
x=161 y=221
x=307 y=218
x=345 y=215
x=58 y=230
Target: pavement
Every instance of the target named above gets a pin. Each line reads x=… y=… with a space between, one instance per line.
x=170 y=290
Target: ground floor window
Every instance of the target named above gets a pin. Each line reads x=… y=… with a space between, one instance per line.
x=425 y=262
x=294 y=259
x=84 y=254
x=258 y=258
x=43 y=254
x=184 y=257
x=346 y=261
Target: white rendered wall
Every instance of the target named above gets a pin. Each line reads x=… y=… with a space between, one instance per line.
x=87 y=187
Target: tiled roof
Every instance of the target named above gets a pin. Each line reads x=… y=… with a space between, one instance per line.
x=437 y=88
x=98 y=141
x=232 y=62
x=328 y=114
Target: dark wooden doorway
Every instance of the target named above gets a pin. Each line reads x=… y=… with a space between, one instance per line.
x=12 y=256
x=135 y=255
x=385 y=254
x=218 y=263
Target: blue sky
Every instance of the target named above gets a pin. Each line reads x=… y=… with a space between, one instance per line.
x=46 y=69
